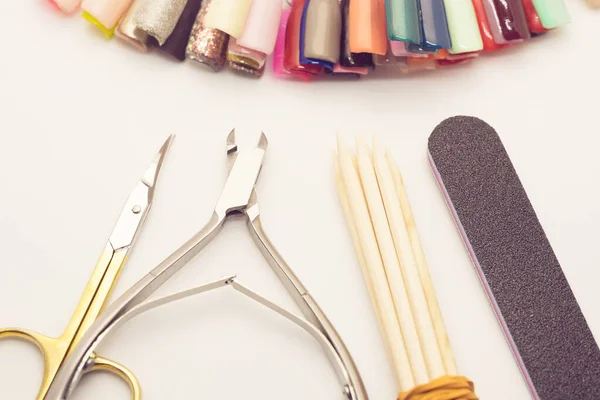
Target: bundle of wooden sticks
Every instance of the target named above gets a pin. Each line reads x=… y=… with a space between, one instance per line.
x=387 y=243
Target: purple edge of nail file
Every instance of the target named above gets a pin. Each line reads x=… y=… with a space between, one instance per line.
x=539 y=314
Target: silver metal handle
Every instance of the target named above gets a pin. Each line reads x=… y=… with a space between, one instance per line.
x=77 y=364
x=337 y=351
x=284 y=273
x=230 y=281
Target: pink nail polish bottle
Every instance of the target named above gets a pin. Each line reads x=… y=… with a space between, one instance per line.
x=260 y=31
x=279 y=52
x=67 y=6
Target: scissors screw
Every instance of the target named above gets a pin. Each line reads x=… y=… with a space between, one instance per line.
x=136 y=209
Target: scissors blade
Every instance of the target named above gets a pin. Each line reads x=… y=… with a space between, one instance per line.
x=139 y=202
x=151 y=175
x=106 y=271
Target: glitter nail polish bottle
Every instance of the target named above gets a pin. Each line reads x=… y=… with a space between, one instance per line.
x=207 y=46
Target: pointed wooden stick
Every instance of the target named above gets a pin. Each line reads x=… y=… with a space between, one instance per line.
x=397 y=282
x=408 y=265
x=375 y=272
x=354 y=233
x=428 y=288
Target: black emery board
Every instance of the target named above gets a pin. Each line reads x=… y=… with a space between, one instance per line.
x=540 y=317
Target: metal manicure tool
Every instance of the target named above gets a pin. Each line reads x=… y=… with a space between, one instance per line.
x=99 y=287
x=238 y=199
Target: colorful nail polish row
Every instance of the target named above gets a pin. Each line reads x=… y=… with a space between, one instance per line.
x=322 y=37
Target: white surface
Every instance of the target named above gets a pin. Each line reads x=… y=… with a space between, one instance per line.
x=82 y=118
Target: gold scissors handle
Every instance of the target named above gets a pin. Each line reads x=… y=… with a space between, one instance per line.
x=97 y=292
x=53 y=350
x=49 y=347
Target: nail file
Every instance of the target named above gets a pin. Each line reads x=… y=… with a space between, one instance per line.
x=527 y=288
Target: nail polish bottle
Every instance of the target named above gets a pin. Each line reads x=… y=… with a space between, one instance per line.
x=176 y=44
x=552 y=13
x=435 y=32
x=105 y=14
x=322 y=30
x=207 y=46
x=347 y=58
x=507 y=20
x=463 y=27
x=279 y=52
x=485 y=30
x=327 y=65
x=262 y=24
x=403 y=20
x=533 y=19
x=158 y=18
x=228 y=16
x=128 y=31
x=67 y=6
x=245 y=60
x=292 y=42
x=518 y=12
x=368 y=33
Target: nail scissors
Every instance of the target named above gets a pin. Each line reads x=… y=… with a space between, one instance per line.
x=99 y=287
x=237 y=199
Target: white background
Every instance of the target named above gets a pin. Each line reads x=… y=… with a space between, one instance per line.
x=81 y=119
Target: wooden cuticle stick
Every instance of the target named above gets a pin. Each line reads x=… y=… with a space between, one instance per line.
x=374 y=269
x=421 y=261
x=396 y=280
x=408 y=265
